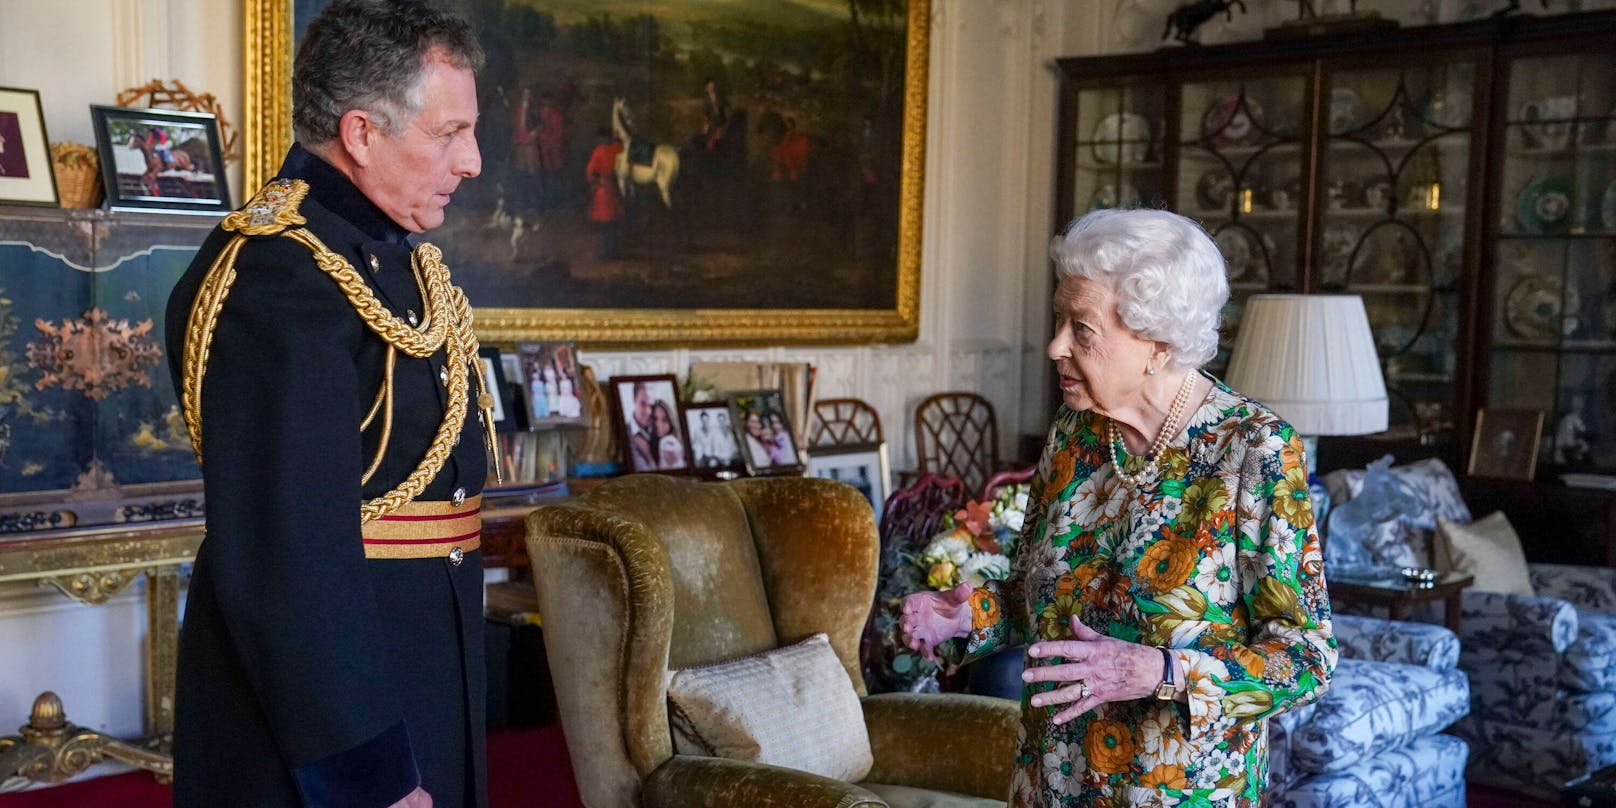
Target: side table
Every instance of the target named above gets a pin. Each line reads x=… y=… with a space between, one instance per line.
x=1399 y=596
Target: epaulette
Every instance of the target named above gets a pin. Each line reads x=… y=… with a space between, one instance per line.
x=272 y=210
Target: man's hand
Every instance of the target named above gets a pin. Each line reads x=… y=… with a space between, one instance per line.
x=415 y=799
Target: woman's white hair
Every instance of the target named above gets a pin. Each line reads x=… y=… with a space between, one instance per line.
x=1167 y=273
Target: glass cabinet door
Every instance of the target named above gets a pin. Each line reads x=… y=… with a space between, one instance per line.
x=1553 y=329
x=1119 y=148
x=1395 y=158
x=1240 y=171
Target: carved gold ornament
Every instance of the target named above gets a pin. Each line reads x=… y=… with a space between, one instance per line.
x=96 y=354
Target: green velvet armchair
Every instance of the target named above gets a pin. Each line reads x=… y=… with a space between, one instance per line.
x=647 y=573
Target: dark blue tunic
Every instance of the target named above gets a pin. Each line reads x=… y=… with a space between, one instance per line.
x=309 y=674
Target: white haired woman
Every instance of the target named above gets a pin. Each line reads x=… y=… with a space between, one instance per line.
x=1169 y=572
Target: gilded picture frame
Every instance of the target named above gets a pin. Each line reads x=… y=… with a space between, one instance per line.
x=266 y=134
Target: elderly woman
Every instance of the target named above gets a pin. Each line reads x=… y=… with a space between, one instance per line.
x=1169 y=572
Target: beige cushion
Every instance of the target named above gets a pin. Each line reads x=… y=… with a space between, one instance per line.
x=794 y=707
x=1486 y=548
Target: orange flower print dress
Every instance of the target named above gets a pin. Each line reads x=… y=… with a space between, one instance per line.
x=1212 y=555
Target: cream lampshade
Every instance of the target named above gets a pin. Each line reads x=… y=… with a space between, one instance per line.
x=1312 y=359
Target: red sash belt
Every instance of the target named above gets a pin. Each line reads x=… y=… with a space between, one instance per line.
x=425 y=530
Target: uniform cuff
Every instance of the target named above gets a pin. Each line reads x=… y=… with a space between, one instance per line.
x=378 y=772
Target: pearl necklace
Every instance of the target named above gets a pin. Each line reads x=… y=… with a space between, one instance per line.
x=1169 y=428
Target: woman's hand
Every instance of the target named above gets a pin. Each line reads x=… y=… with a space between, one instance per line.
x=1096 y=669
x=930 y=618
x=415 y=799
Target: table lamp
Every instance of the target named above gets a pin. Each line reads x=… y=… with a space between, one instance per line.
x=1312 y=359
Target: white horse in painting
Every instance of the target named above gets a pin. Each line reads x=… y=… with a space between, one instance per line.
x=664 y=167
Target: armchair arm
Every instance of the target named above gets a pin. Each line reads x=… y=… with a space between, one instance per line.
x=1523 y=623
x=684 y=781
x=1376 y=640
x=1585 y=587
x=946 y=742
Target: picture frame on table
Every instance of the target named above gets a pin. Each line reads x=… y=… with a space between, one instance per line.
x=714 y=449
x=810 y=126
x=763 y=430
x=26 y=174
x=863 y=466
x=161 y=159
x=548 y=378
x=650 y=420
x=1505 y=444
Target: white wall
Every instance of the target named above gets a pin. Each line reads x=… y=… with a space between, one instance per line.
x=989 y=181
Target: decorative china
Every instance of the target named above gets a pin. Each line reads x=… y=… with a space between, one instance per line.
x=1449 y=108
x=1376 y=194
x=1214 y=190
x=1543 y=207
x=1122 y=137
x=1233 y=121
x=1548 y=121
x=1110 y=195
x=1335 y=253
x=1245 y=259
x=1534 y=307
x=1345 y=110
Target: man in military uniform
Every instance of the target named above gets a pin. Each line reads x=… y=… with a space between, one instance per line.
x=332 y=651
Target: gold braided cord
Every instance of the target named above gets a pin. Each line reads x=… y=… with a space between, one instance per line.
x=387 y=417
x=392 y=329
x=453 y=333
x=199 y=326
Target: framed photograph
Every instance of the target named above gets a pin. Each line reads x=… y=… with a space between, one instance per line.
x=763 y=429
x=672 y=174
x=1505 y=444
x=713 y=447
x=26 y=176
x=863 y=467
x=549 y=381
x=161 y=159
x=649 y=418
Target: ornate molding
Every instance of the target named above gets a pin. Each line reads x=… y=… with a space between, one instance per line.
x=93 y=588
x=48 y=749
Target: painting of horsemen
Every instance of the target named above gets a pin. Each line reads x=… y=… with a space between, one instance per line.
x=699 y=155
x=161 y=159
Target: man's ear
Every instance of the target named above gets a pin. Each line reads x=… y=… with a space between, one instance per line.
x=357 y=131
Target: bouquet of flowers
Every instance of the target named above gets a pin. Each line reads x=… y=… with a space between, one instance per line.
x=976 y=542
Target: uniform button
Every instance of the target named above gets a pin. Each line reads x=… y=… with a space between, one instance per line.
x=458 y=497
x=456 y=556
x=409 y=314
x=375 y=263
x=443 y=375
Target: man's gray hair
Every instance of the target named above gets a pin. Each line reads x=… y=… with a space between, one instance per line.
x=1169 y=278
x=369 y=55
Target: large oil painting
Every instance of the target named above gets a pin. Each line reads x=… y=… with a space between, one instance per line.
x=709 y=171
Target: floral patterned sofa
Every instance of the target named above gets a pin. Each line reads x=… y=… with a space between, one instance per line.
x=1542 y=668
x=1373 y=737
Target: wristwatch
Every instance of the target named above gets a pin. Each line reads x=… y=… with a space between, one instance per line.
x=1167 y=689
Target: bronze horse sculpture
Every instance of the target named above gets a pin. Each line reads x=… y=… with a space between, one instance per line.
x=1190 y=16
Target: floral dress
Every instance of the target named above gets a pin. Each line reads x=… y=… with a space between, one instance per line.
x=1213 y=555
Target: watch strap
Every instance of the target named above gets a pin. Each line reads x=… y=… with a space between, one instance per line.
x=1168 y=688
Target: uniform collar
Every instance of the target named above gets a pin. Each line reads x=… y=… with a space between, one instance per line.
x=337 y=193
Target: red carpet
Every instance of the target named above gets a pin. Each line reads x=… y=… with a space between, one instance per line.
x=527 y=768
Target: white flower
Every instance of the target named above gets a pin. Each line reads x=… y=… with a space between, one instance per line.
x=1092 y=499
x=1063 y=767
x=1215 y=575
x=947 y=548
x=1062 y=516
x=1253 y=566
x=1161 y=741
x=1021 y=502
x=984 y=567
x=1013 y=520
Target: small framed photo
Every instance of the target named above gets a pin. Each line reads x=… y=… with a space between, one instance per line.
x=863 y=466
x=548 y=374
x=161 y=159
x=506 y=408
x=1504 y=446
x=26 y=175
x=764 y=431
x=648 y=417
x=713 y=448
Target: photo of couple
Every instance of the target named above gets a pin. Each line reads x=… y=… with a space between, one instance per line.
x=649 y=411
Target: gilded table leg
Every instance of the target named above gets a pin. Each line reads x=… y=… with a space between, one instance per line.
x=162 y=640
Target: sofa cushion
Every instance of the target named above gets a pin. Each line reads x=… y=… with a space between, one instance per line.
x=906 y=797
x=1535 y=761
x=1372 y=707
x=1426 y=490
x=1590 y=662
x=1427 y=773
x=793 y=707
x=1487 y=549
